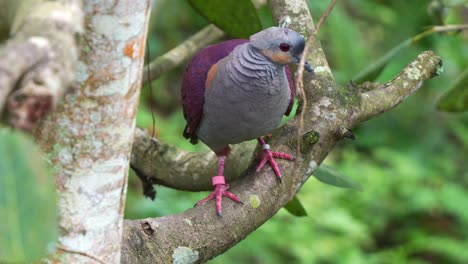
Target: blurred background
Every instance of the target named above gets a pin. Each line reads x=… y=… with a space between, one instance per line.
x=411 y=161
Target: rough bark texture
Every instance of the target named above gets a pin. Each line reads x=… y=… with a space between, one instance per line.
x=197 y=235
x=89 y=137
x=37 y=61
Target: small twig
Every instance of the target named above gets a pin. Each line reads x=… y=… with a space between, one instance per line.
x=300 y=72
x=146 y=184
x=377 y=65
x=449 y=28
x=59 y=247
x=300 y=84
x=324 y=16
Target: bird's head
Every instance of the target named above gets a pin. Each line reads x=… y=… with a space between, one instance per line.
x=280 y=45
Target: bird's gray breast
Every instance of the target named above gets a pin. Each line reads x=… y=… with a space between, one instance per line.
x=243 y=103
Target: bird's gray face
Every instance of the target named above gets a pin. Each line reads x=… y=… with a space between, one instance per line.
x=280 y=45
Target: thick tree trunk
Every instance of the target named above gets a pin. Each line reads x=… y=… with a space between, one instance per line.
x=89 y=137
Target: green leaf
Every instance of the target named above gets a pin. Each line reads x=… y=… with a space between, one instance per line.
x=295 y=207
x=329 y=175
x=238 y=18
x=27 y=200
x=456 y=99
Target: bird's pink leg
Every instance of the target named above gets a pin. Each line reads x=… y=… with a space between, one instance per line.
x=220 y=189
x=267 y=155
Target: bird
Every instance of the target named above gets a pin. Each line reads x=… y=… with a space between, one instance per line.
x=239 y=90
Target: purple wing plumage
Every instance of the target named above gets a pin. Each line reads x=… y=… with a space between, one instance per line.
x=193 y=83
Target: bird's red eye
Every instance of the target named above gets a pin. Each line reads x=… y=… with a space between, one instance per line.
x=284 y=47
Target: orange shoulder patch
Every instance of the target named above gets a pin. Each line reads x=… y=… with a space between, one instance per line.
x=210 y=75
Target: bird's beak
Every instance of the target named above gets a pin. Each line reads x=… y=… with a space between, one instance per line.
x=307 y=65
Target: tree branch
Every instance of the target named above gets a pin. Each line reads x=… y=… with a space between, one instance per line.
x=192 y=171
x=197 y=231
x=38 y=60
x=197 y=235
x=388 y=95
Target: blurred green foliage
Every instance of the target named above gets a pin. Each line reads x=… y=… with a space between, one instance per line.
x=411 y=161
x=27 y=200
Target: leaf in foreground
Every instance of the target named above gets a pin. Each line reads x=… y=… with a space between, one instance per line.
x=238 y=18
x=295 y=207
x=27 y=200
x=331 y=176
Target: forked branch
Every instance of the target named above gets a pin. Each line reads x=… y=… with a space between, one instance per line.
x=197 y=235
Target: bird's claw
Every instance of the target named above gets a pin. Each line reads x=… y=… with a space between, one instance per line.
x=268 y=155
x=217 y=194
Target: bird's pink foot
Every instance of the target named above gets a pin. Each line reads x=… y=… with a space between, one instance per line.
x=267 y=155
x=218 y=193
